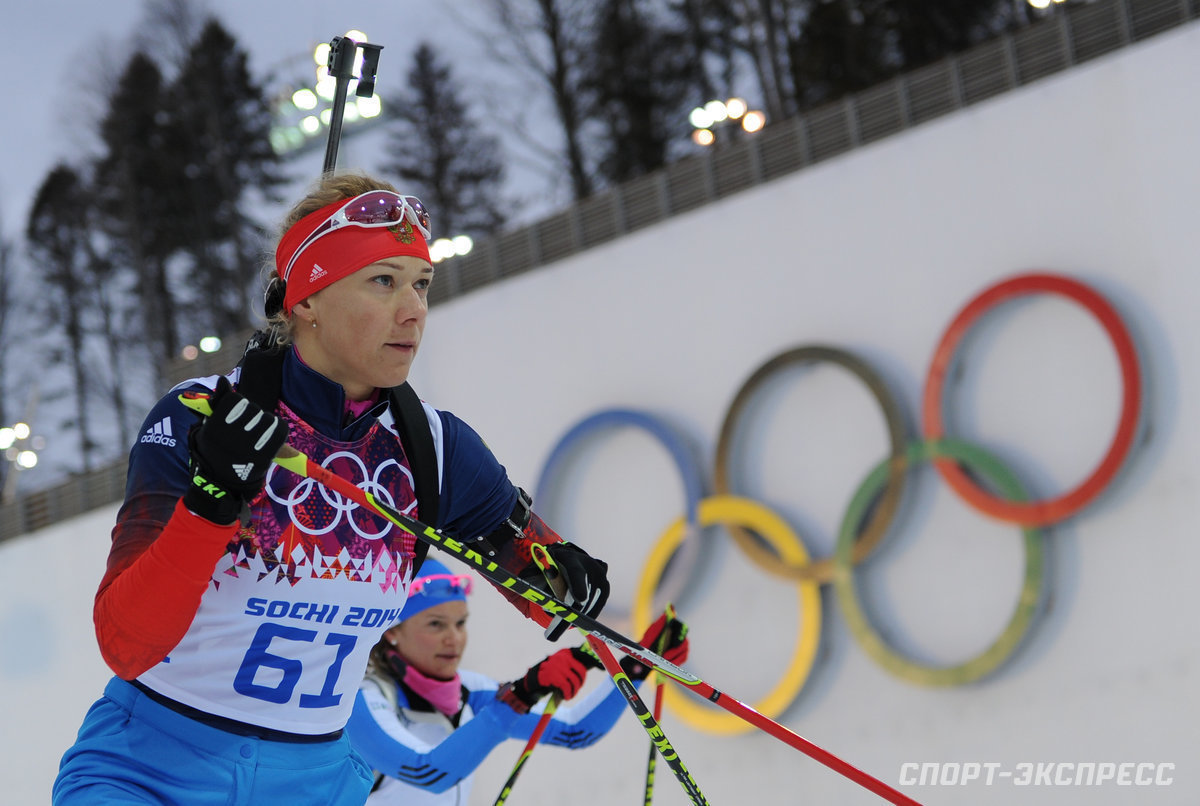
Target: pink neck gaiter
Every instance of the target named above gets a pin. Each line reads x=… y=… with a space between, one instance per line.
x=444 y=695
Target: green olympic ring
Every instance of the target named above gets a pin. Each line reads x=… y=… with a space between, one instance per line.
x=988 y=467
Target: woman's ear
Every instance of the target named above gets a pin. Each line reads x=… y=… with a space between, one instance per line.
x=304 y=312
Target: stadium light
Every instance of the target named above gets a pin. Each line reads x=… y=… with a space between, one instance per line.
x=444 y=248
x=706 y=120
x=19 y=446
x=302 y=114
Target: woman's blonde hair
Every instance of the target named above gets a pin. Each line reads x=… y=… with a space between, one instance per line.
x=325 y=191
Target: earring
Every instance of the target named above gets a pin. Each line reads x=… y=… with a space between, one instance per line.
x=314 y=323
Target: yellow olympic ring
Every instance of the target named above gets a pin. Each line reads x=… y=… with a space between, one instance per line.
x=732 y=510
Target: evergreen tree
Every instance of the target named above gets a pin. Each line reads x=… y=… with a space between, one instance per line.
x=643 y=82
x=137 y=183
x=220 y=127
x=928 y=30
x=55 y=235
x=441 y=156
x=845 y=46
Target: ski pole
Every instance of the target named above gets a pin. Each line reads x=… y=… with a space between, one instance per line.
x=659 y=682
x=541 y=556
x=551 y=706
x=299 y=463
x=540 y=728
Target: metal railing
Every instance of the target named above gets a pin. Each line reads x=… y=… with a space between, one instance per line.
x=69 y=499
x=1072 y=35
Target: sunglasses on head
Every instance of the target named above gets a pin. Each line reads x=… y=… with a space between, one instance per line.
x=376 y=208
x=441 y=583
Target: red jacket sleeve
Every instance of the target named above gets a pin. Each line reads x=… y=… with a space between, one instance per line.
x=152 y=588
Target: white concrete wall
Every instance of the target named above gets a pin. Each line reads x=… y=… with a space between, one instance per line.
x=1092 y=174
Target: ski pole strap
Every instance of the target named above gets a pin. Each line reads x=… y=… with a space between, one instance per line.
x=554 y=578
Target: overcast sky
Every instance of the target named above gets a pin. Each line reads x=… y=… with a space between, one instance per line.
x=56 y=42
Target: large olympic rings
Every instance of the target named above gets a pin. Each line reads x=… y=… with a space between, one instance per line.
x=1042 y=512
x=730 y=511
x=774 y=547
x=876 y=646
x=822 y=570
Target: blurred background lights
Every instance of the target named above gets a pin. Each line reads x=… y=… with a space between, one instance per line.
x=369 y=107
x=716 y=110
x=304 y=99
x=326 y=87
x=302 y=112
x=708 y=120
x=753 y=121
x=444 y=248
x=210 y=344
x=23 y=456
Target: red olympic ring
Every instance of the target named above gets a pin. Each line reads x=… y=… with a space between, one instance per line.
x=1049 y=510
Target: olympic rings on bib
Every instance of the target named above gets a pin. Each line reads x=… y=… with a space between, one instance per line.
x=822 y=570
x=730 y=510
x=1048 y=511
x=773 y=546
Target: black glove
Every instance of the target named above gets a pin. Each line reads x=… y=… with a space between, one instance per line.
x=231 y=451
x=667 y=636
x=586 y=579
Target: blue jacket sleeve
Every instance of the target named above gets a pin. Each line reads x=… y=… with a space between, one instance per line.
x=580 y=725
x=390 y=746
x=476 y=493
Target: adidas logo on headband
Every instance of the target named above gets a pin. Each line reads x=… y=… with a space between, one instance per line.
x=317 y=273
